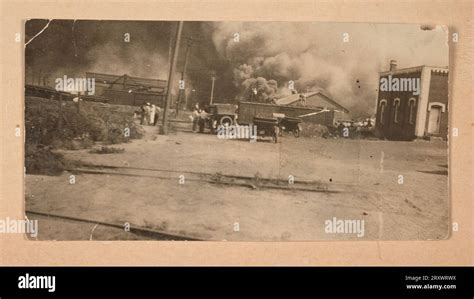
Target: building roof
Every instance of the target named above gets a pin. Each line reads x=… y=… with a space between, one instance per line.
x=326 y=100
x=441 y=69
x=128 y=80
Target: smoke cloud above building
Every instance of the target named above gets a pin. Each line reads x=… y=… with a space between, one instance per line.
x=342 y=58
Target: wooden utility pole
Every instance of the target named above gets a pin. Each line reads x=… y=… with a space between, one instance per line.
x=60 y=113
x=213 y=78
x=171 y=77
x=182 y=92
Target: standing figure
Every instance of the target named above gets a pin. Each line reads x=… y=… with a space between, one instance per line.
x=147 y=113
x=202 y=119
x=143 y=113
x=196 y=113
x=157 y=115
x=152 y=114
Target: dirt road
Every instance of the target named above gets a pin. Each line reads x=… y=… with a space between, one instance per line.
x=366 y=172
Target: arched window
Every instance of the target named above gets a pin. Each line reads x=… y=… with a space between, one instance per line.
x=383 y=103
x=437 y=104
x=411 y=111
x=396 y=109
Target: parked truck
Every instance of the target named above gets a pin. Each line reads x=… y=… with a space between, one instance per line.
x=266 y=114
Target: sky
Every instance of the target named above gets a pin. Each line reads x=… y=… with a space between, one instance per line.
x=241 y=55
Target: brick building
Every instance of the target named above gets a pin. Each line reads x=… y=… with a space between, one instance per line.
x=405 y=113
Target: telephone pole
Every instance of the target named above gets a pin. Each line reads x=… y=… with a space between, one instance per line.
x=182 y=92
x=171 y=77
x=213 y=78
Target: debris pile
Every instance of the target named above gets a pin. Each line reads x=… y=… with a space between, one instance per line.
x=107 y=150
x=313 y=130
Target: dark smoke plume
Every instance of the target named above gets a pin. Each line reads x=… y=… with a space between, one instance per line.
x=266 y=57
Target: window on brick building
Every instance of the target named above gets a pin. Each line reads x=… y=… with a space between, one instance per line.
x=383 y=103
x=396 y=110
x=411 y=111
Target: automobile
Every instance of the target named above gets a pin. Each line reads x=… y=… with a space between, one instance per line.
x=221 y=115
x=289 y=125
x=267 y=127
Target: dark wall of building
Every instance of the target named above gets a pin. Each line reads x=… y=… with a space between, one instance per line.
x=119 y=94
x=123 y=97
x=247 y=111
x=100 y=89
x=401 y=129
x=439 y=93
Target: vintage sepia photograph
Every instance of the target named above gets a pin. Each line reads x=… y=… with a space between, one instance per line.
x=236 y=131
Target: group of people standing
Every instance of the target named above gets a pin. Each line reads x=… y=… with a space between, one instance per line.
x=199 y=117
x=149 y=114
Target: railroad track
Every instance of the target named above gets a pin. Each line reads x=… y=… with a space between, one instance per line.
x=217 y=178
x=137 y=230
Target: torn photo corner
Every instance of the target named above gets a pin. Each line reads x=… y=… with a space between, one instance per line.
x=236 y=131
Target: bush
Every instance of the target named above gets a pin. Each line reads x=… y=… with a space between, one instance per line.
x=74 y=129
x=41 y=160
x=78 y=129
